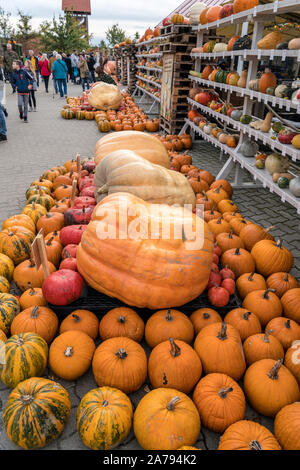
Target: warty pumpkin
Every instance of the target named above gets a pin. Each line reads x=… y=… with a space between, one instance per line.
x=15 y=243
x=246 y=323
x=262 y=346
x=220 y=401
x=125 y=171
x=81 y=320
x=291 y=304
x=26 y=273
x=104 y=418
x=122 y=321
x=292 y=360
x=253 y=233
x=265 y=305
x=229 y=241
x=248 y=435
x=145 y=145
x=204 y=317
x=249 y=282
x=32 y=297
x=166 y=324
x=269 y=386
x=281 y=282
x=161 y=417
x=25 y=356
x=36 y=412
x=174 y=365
x=285 y=330
x=287 y=426
x=9 y=308
x=40 y=320
x=124 y=277
x=220 y=350
x=240 y=261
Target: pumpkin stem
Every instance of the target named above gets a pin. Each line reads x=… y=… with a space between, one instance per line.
x=270 y=228
x=169 y=316
x=171 y=405
x=34 y=313
x=103 y=189
x=105 y=403
x=175 y=350
x=222 y=333
x=255 y=445
x=237 y=252
x=266 y=293
x=246 y=315
x=76 y=317
x=49 y=215
x=20 y=341
x=273 y=374
x=26 y=399
x=286 y=277
x=279 y=244
x=121 y=353
x=219 y=220
x=121 y=319
x=266 y=336
x=69 y=351
x=67 y=254
x=206 y=316
x=230 y=234
x=223 y=392
x=32 y=263
x=250 y=278
x=288 y=324
x=49 y=242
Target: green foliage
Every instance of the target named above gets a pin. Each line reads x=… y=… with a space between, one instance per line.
x=63 y=34
x=114 y=35
x=6 y=29
x=24 y=31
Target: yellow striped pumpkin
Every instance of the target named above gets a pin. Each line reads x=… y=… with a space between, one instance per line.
x=50 y=175
x=43 y=199
x=42 y=183
x=104 y=418
x=34 y=211
x=19 y=220
x=33 y=190
x=9 y=308
x=6 y=267
x=3 y=336
x=15 y=242
x=4 y=285
x=36 y=412
x=26 y=356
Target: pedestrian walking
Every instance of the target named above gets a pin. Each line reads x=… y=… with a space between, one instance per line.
x=74 y=64
x=59 y=71
x=84 y=72
x=32 y=99
x=52 y=59
x=22 y=81
x=91 y=61
x=67 y=59
x=9 y=57
x=3 y=129
x=35 y=63
x=44 y=71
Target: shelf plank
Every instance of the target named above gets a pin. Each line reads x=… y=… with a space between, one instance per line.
x=149 y=81
x=149 y=94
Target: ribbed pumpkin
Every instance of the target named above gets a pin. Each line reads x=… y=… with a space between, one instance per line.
x=3 y=336
x=204 y=317
x=248 y=435
x=166 y=419
x=269 y=386
x=122 y=321
x=121 y=363
x=252 y=233
x=226 y=205
x=217 y=194
x=265 y=305
x=81 y=320
x=6 y=267
x=60 y=180
x=281 y=282
x=240 y=261
x=224 y=184
x=33 y=190
x=228 y=241
x=26 y=273
x=36 y=412
x=218 y=226
x=246 y=323
x=50 y=221
x=287 y=427
x=26 y=356
x=220 y=350
x=40 y=320
x=43 y=200
x=4 y=285
x=16 y=243
x=249 y=282
x=104 y=418
x=104 y=126
x=9 y=308
x=71 y=354
x=19 y=220
x=220 y=401
x=262 y=346
x=174 y=365
x=167 y=324
x=242 y=5
x=34 y=211
x=271 y=257
x=285 y=330
x=291 y=304
x=292 y=360
x=32 y=297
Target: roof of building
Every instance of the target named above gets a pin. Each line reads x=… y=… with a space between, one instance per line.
x=78 y=6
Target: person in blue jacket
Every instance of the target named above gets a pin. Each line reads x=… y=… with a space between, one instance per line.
x=60 y=70
x=23 y=82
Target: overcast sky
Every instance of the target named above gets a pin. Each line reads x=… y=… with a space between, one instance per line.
x=134 y=15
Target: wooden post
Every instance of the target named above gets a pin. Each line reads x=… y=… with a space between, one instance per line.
x=40 y=254
x=74 y=187
x=78 y=164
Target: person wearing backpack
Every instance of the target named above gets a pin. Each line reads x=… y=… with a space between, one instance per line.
x=60 y=70
x=23 y=83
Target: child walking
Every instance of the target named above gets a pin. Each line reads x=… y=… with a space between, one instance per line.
x=23 y=82
x=32 y=100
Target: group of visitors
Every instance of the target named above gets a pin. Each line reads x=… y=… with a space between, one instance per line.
x=24 y=76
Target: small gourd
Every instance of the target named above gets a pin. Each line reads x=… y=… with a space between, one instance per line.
x=266 y=125
x=283 y=182
x=295 y=186
x=242 y=82
x=249 y=148
x=254 y=84
x=245 y=119
x=236 y=115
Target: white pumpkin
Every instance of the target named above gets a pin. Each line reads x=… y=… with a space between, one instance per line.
x=294 y=43
x=105 y=96
x=207 y=129
x=276 y=163
x=295 y=186
x=220 y=47
x=280 y=91
x=195 y=12
x=249 y=148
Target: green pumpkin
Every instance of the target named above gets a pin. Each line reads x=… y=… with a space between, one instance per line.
x=26 y=355
x=9 y=308
x=36 y=412
x=43 y=199
x=68 y=114
x=283 y=182
x=36 y=190
x=270 y=91
x=277 y=126
x=245 y=119
x=6 y=267
x=80 y=115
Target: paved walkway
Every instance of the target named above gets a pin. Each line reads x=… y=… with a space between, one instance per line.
x=49 y=140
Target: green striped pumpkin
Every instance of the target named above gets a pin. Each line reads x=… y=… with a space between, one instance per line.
x=50 y=175
x=36 y=412
x=4 y=285
x=104 y=126
x=68 y=114
x=33 y=190
x=6 y=267
x=104 y=418
x=26 y=356
x=34 y=211
x=80 y=115
x=9 y=308
x=15 y=242
x=43 y=199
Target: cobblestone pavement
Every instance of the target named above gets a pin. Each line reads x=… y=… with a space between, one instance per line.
x=49 y=140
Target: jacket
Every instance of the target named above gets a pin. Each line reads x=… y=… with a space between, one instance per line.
x=74 y=60
x=43 y=66
x=51 y=62
x=9 y=58
x=83 y=66
x=59 y=70
x=21 y=79
x=91 y=63
x=34 y=62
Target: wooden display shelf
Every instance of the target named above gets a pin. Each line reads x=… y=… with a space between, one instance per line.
x=244 y=53
x=149 y=56
x=154 y=69
x=155 y=98
x=158 y=85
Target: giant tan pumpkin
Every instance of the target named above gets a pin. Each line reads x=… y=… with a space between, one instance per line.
x=145 y=145
x=137 y=261
x=125 y=171
x=105 y=96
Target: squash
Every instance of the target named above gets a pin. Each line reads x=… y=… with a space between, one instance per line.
x=296 y=141
x=280 y=91
x=195 y=12
x=6 y=267
x=270 y=41
x=249 y=148
x=242 y=81
x=294 y=44
x=266 y=125
x=248 y=435
x=254 y=84
x=36 y=412
x=242 y=43
x=275 y=163
x=268 y=79
x=125 y=171
x=236 y=114
x=220 y=47
x=105 y=96
x=295 y=186
x=152 y=287
x=9 y=308
x=231 y=42
x=145 y=145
